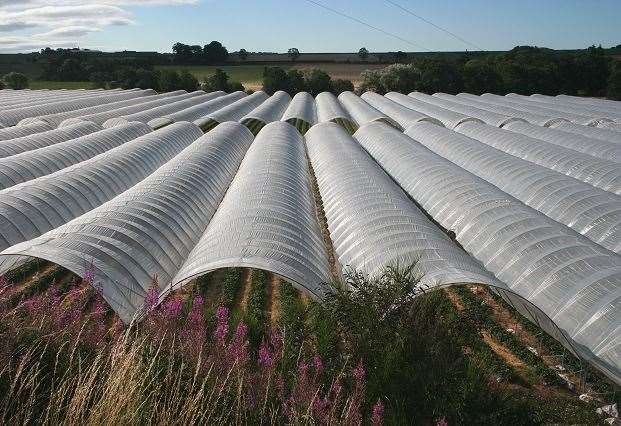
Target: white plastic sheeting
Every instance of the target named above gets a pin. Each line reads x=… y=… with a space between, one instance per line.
x=595 y=171
x=197 y=111
x=270 y=110
x=489 y=117
x=56 y=119
x=32 y=208
x=591 y=132
x=11 y=117
x=102 y=117
x=267 y=219
x=450 y=119
x=476 y=101
x=302 y=107
x=553 y=102
x=43 y=139
x=239 y=108
x=559 y=106
x=530 y=107
x=362 y=112
x=405 y=117
x=44 y=161
x=373 y=223
x=600 y=103
x=591 y=212
x=14 y=132
x=330 y=109
x=575 y=283
x=595 y=147
x=149 y=230
x=167 y=108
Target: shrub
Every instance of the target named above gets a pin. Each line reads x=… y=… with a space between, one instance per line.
x=15 y=80
x=400 y=78
x=371 y=81
x=187 y=81
x=317 y=81
x=613 y=91
x=275 y=79
x=341 y=85
x=169 y=80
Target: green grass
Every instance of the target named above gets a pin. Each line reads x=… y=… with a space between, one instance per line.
x=41 y=84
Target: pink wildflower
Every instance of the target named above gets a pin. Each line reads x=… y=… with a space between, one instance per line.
x=266 y=358
x=359 y=372
x=377 y=417
x=442 y=422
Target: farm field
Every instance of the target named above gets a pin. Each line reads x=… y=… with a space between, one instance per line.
x=223 y=258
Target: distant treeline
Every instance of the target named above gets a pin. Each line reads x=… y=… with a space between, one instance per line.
x=524 y=70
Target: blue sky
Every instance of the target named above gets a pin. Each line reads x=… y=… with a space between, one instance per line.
x=276 y=25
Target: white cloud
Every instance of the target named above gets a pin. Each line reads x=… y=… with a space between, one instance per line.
x=58 y=23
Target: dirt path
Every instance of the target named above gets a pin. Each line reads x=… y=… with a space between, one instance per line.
x=274 y=299
x=213 y=292
x=455 y=300
x=245 y=291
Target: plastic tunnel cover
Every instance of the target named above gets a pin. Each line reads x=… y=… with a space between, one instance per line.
x=570 y=279
x=373 y=223
x=32 y=208
x=149 y=230
x=589 y=211
x=267 y=220
x=362 y=112
x=302 y=107
x=44 y=161
x=402 y=115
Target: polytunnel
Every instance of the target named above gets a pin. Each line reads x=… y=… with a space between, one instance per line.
x=489 y=117
x=575 y=283
x=149 y=230
x=44 y=161
x=14 y=132
x=552 y=102
x=330 y=109
x=591 y=212
x=32 y=208
x=581 y=111
x=22 y=101
x=513 y=103
x=595 y=147
x=56 y=119
x=232 y=112
x=405 y=117
x=46 y=138
x=374 y=224
x=11 y=117
x=450 y=119
x=362 y=112
x=167 y=108
x=605 y=103
x=270 y=110
x=102 y=117
x=591 y=132
x=600 y=173
x=476 y=101
x=196 y=111
x=267 y=219
x=301 y=112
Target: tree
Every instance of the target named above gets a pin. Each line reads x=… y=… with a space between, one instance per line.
x=400 y=56
x=219 y=80
x=613 y=90
x=187 y=81
x=317 y=81
x=293 y=53
x=480 y=76
x=275 y=79
x=296 y=82
x=340 y=85
x=215 y=53
x=72 y=70
x=243 y=54
x=400 y=78
x=15 y=80
x=183 y=53
x=371 y=80
x=169 y=80
x=1 y=85
x=439 y=75
x=363 y=53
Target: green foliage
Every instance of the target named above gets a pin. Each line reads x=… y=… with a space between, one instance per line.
x=243 y=54
x=291 y=322
x=296 y=82
x=220 y=81
x=363 y=53
x=480 y=76
x=212 y=53
x=275 y=79
x=169 y=81
x=294 y=53
x=231 y=285
x=187 y=81
x=257 y=298
x=15 y=80
x=613 y=90
x=400 y=78
x=317 y=81
x=340 y=85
